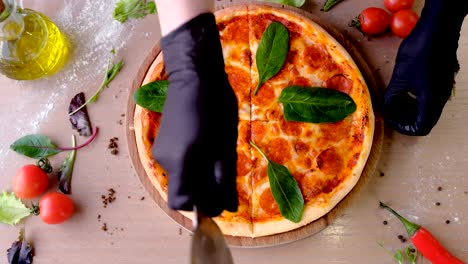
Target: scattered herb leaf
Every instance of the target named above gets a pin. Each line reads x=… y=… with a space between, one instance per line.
x=35 y=146
x=152 y=95
x=315 y=105
x=12 y=210
x=125 y=9
x=329 y=4
x=66 y=170
x=20 y=251
x=112 y=69
x=295 y=3
x=398 y=256
x=39 y=146
x=412 y=254
x=285 y=189
x=272 y=52
x=80 y=119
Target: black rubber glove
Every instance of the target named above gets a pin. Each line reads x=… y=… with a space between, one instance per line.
x=197 y=138
x=425 y=69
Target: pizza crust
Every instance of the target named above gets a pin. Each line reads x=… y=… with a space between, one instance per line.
x=311 y=213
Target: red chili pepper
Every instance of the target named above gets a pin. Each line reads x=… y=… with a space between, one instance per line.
x=425 y=242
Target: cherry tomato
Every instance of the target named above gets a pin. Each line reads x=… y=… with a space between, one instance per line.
x=403 y=22
x=373 y=20
x=397 y=5
x=30 y=181
x=55 y=208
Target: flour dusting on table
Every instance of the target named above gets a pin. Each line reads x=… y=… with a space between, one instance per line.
x=93 y=33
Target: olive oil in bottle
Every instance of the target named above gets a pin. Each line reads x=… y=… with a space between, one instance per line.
x=31 y=46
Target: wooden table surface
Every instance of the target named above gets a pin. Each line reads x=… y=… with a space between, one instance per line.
x=139 y=232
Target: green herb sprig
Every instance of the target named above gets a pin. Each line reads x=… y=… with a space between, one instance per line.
x=329 y=4
x=295 y=3
x=112 y=69
x=125 y=9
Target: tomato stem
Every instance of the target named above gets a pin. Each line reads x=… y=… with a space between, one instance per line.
x=44 y=164
x=410 y=227
x=35 y=209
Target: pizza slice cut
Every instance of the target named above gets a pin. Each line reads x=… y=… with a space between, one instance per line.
x=314 y=59
x=240 y=223
x=326 y=160
x=233 y=26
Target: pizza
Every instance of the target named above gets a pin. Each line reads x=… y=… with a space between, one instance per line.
x=326 y=159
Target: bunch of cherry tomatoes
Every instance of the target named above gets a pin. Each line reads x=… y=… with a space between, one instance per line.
x=374 y=20
x=30 y=182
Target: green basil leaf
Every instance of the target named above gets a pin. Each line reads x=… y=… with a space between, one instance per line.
x=285 y=189
x=35 y=146
x=315 y=105
x=66 y=170
x=295 y=3
x=329 y=4
x=152 y=95
x=12 y=210
x=272 y=52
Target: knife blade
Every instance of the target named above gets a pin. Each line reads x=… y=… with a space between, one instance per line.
x=208 y=242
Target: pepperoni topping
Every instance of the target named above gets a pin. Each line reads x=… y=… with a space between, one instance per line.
x=244 y=132
x=240 y=81
x=341 y=83
x=265 y=97
x=243 y=164
x=260 y=22
x=330 y=185
x=258 y=131
x=300 y=81
x=235 y=29
x=354 y=160
x=273 y=114
x=315 y=56
x=333 y=132
x=260 y=171
x=310 y=188
x=278 y=150
x=301 y=148
x=330 y=161
x=291 y=128
x=268 y=203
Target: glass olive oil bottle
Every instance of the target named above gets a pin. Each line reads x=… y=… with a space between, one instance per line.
x=31 y=46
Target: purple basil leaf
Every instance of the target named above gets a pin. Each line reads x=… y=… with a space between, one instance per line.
x=80 y=120
x=20 y=252
x=66 y=170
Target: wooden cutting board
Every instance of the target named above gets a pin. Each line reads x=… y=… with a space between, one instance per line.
x=152 y=60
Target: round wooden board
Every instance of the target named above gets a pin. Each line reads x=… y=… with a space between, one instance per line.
x=282 y=238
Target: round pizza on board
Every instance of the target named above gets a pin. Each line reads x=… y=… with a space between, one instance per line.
x=325 y=159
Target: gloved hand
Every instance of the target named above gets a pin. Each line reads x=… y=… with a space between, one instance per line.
x=197 y=138
x=424 y=73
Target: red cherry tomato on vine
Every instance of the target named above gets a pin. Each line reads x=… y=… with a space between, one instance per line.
x=55 y=208
x=372 y=21
x=30 y=181
x=403 y=22
x=397 y=5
